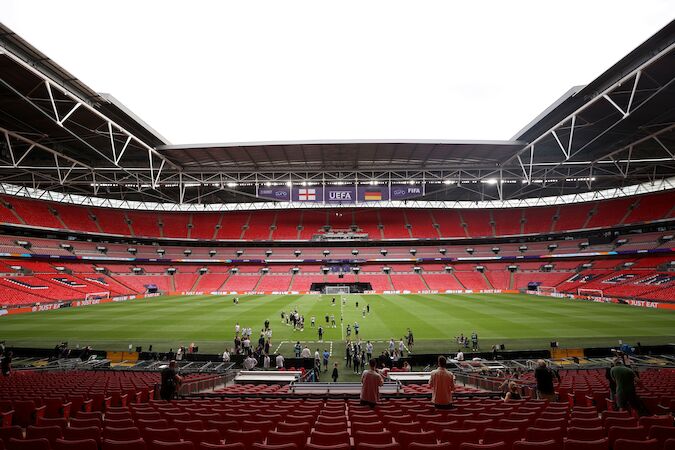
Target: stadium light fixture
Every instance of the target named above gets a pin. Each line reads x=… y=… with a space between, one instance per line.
x=491 y=181
x=231 y=185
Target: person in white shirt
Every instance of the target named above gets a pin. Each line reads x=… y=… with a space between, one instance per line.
x=460 y=356
x=250 y=363
x=237 y=328
x=306 y=353
x=226 y=356
x=401 y=346
x=266 y=362
x=280 y=362
x=391 y=345
x=317 y=357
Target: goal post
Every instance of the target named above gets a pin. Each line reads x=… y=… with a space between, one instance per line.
x=97 y=295
x=546 y=290
x=590 y=293
x=337 y=290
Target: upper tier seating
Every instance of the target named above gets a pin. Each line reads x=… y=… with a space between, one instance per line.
x=646 y=274
x=378 y=224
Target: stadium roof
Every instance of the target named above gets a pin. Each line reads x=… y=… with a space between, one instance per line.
x=59 y=135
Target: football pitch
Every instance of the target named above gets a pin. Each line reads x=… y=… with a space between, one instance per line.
x=518 y=321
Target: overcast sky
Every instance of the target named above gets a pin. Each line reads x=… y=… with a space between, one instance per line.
x=221 y=71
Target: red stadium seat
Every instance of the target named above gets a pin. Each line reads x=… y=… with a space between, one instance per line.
x=8 y=433
x=234 y=446
x=198 y=436
x=60 y=422
x=539 y=445
x=85 y=423
x=51 y=433
x=600 y=444
x=172 y=445
x=159 y=434
x=121 y=434
x=245 y=437
x=649 y=421
x=390 y=446
x=298 y=438
x=324 y=439
x=635 y=434
x=629 y=444
x=661 y=433
x=82 y=444
x=76 y=434
x=327 y=447
x=440 y=446
x=28 y=444
x=135 y=444
x=506 y=435
x=372 y=437
x=495 y=446
x=408 y=437
x=275 y=446
x=118 y=423
x=544 y=434
x=621 y=422
x=585 y=434
x=456 y=437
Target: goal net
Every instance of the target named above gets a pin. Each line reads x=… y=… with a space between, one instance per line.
x=332 y=290
x=97 y=295
x=590 y=293
x=546 y=290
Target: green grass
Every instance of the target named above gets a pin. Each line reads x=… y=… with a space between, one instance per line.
x=519 y=321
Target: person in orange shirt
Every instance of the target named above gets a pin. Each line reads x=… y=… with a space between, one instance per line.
x=442 y=384
x=371 y=380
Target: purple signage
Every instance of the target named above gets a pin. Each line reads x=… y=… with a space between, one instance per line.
x=340 y=194
x=405 y=192
x=278 y=193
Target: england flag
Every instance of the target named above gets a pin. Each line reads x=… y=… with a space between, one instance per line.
x=307 y=195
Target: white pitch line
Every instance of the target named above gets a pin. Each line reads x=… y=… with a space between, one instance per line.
x=280 y=344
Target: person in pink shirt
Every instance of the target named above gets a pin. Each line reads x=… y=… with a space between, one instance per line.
x=442 y=384
x=371 y=380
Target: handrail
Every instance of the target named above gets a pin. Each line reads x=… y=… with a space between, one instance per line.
x=203 y=384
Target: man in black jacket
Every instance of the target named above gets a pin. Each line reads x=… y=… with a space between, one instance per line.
x=544 y=377
x=170 y=382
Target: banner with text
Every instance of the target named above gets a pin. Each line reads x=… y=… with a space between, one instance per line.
x=340 y=194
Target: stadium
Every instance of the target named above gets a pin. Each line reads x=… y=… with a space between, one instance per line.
x=121 y=252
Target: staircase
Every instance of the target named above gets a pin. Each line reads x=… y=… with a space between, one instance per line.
x=424 y=281
x=220 y=288
x=391 y=283
x=452 y=274
x=255 y=288
x=487 y=281
x=194 y=285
